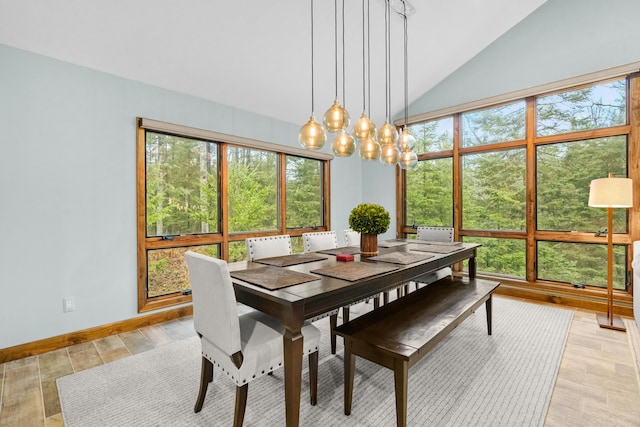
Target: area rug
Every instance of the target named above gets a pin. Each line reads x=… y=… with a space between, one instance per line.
x=469 y=379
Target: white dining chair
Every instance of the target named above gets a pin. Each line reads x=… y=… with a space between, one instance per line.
x=317 y=241
x=272 y=246
x=268 y=246
x=351 y=237
x=245 y=347
x=434 y=234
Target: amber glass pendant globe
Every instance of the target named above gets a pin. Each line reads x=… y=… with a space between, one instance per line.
x=408 y=160
x=312 y=135
x=336 y=119
x=364 y=128
x=369 y=149
x=343 y=145
x=389 y=154
x=406 y=142
x=387 y=134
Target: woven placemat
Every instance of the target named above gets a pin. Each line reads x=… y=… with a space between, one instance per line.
x=272 y=278
x=287 y=260
x=401 y=257
x=352 y=271
x=437 y=249
x=350 y=250
x=433 y=242
x=391 y=243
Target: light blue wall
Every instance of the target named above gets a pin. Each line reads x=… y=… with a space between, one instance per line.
x=67 y=165
x=68 y=194
x=559 y=40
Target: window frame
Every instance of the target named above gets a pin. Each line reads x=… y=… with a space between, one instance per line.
x=222 y=237
x=531 y=235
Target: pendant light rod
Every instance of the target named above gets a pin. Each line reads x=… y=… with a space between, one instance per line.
x=335 y=41
x=344 y=99
x=368 y=59
x=364 y=71
x=312 y=80
x=406 y=67
x=387 y=69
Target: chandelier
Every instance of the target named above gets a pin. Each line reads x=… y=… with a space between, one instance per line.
x=384 y=143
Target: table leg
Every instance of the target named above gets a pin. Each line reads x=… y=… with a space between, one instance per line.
x=293 y=347
x=472 y=267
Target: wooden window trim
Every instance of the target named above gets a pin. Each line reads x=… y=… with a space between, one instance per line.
x=223 y=237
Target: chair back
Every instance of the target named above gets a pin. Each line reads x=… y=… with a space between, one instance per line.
x=319 y=240
x=215 y=311
x=351 y=238
x=435 y=234
x=269 y=246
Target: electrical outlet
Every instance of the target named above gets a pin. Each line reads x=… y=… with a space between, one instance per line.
x=68 y=304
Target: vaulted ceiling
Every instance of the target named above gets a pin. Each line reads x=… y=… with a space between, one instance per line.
x=255 y=54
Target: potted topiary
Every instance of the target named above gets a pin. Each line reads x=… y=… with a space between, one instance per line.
x=369 y=220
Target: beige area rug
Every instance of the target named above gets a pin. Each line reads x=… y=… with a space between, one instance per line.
x=469 y=379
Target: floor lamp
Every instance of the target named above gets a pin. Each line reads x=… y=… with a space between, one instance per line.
x=610 y=193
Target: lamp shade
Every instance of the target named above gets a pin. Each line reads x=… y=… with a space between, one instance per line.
x=611 y=193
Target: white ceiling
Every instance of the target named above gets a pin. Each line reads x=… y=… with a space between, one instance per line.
x=255 y=54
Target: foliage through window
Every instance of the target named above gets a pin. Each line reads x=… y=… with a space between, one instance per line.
x=522 y=183
x=199 y=192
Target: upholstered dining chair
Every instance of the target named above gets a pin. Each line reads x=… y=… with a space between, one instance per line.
x=351 y=237
x=269 y=246
x=245 y=346
x=317 y=241
x=434 y=234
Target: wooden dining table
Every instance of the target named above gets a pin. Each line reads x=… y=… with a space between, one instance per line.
x=303 y=286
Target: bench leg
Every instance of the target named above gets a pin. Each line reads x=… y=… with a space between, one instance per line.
x=349 y=372
x=488 y=306
x=401 y=377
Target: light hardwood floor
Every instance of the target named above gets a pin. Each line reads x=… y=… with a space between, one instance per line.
x=597 y=384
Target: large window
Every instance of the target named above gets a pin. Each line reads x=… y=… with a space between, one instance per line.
x=207 y=192
x=516 y=176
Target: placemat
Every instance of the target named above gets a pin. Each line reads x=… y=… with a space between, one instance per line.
x=401 y=257
x=351 y=250
x=432 y=242
x=437 y=249
x=272 y=278
x=352 y=271
x=287 y=260
x=391 y=243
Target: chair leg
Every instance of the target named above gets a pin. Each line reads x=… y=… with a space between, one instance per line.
x=333 y=322
x=206 y=376
x=241 y=404
x=345 y=315
x=313 y=377
x=376 y=302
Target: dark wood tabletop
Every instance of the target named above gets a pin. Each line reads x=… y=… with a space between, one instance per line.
x=293 y=304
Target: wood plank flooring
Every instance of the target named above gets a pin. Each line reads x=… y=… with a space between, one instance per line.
x=597 y=385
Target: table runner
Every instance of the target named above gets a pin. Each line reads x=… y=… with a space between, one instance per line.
x=352 y=271
x=272 y=278
x=401 y=257
x=350 y=250
x=293 y=259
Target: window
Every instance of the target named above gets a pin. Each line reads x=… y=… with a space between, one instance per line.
x=493 y=190
x=207 y=192
x=515 y=178
x=496 y=124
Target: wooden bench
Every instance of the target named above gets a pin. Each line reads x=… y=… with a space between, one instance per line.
x=399 y=334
